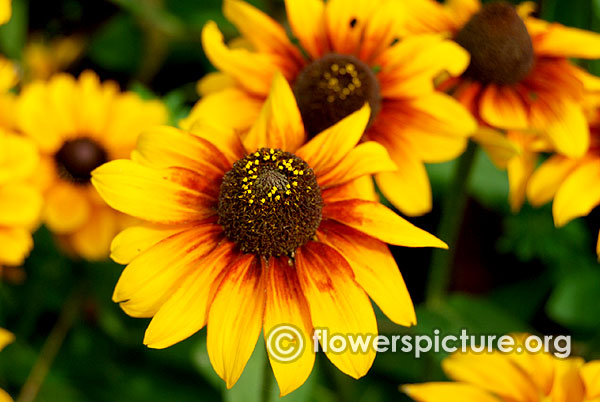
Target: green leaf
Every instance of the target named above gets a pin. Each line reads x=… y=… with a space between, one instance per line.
x=574 y=302
x=13 y=35
x=118 y=45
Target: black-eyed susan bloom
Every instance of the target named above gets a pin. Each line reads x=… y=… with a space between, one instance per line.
x=520 y=76
x=245 y=235
x=349 y=53
x=78 y=124
x=512 y=377
x=6 y=338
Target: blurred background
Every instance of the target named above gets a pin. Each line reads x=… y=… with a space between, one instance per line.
x=511 y=272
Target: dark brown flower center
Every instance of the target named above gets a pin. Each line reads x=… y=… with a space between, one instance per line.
x=270 y=203
x=331 y=88
x=499 y=44
x=77 y=158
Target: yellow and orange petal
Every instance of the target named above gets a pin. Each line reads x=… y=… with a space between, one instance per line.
x=414 y=120
x=5 y=11
x=74 y=122
x=185 y=272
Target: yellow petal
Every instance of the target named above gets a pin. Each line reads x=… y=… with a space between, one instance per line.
x=336 y=303
x=5 y=397
x=307 y=19
x=264 y=33
x=18 y=156
x=186 y=311
x=519 y=171
x=173 y=195
x=568 y=385
x=252 y=71
x=286 y=307
x=579 y=193
x=380 y=222
x=565 y=125
x=6 y=338
x=345 y=21
x=214 y=82
x=408 y=69
x=5 y=11
x=382 y=27
x=216 y=109
x=235 y=318
x=67 y=208
x=153 y=276
x=590 y=373
x=498 y=146
x=503 y=107
x=279 y=125
x=328 y=148
x=362 y=188
x=165 y=147
x=92 y=240
x=447 y=392
x=226 y=139
x=134 y=240
x=491 y=372
x=20 y=205
x=15 y=245
x=546 y=180
x=365 y=159
x=562 y=41
x=374 y=270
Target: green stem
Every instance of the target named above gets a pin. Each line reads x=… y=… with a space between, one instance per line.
x=69 y=312
x=453 y=209
x=267 y=381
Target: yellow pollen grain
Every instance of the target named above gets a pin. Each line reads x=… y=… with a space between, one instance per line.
x=335 y=67
x=277 y=198
x=263 y=200
x=343 y=71
x=295 y=183
x=256 y=153
x=288 y=192
x=350 y=67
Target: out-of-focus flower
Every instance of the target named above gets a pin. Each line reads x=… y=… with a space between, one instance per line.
x=78 y=124
x=512 y=377
x=5 y=11
x=241 y=236
x=42 y=60
x=352 y=54
x=573 y=183
x=5 y=338
x=520 y=76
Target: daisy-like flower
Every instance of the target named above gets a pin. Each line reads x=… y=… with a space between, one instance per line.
x=5 y=338
x=350 y=52
x=512 y=377
x=573 y=183
x=244 y=236
x=78 y=124
x=519 y=76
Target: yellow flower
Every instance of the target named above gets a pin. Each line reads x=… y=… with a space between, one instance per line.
x=512 y=377
x=352 y=55
x=8 y=79
x=573 y=183
x=5 y=11
x=5 y=338
x=78 y=125
x=520 y=76
x=42 y=60
x=243 y=236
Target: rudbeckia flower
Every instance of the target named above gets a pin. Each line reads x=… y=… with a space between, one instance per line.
x=349 y=53
x=511 y=377
x=246 y=235
x=78 y=124
x=573 y=183
x=5 y=338
x=5 y=11
x=519 y=76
